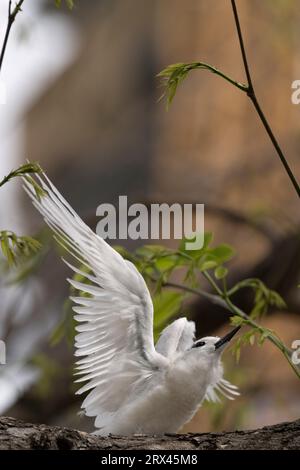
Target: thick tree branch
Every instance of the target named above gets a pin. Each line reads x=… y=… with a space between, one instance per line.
x=15 y=434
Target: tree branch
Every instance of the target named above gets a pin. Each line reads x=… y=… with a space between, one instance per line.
x=15 y=434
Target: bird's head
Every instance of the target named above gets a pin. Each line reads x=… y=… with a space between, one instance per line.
x=205 y=353
x=200 y=363
x=213 y=345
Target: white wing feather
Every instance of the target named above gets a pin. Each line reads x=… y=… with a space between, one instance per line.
x=115 y=331
x=177 y=337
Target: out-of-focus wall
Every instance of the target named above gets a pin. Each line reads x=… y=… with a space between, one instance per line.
x=100 y=124
x=93 y=128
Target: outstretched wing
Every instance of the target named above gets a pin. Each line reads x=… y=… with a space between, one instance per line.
x=115 y=311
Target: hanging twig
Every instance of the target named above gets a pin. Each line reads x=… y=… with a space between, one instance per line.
x=252 y=96
x=12 y=13
x=174 y=74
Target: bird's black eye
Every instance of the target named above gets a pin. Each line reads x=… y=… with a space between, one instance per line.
x=199 y=344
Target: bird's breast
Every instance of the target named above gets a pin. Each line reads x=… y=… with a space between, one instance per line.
x=166 y=406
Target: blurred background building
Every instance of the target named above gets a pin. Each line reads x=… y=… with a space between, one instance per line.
x=83 y=101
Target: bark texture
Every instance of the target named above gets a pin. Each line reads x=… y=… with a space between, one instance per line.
x=15 y=434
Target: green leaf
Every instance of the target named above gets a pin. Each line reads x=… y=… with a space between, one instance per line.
x=31 y=264
x=247 y=338
x=221 y=272
x=7 y=249
x=196 y=254
x=26 y=169
x=39 y=191
x=263 y=298
x=207 y=264
x=69 y=3
x=263 y=337
x=15 y=248
x=166 y=263
x=222 y=252
x=209 y=258
x=236 y=320
x=166 y=305
x=173 y=75
x=276 y=300
x=156 y=261
x=252 y=339
x=152 y=251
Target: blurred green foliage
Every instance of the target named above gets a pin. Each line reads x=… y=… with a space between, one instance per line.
x=69 y=3
x=15 y=248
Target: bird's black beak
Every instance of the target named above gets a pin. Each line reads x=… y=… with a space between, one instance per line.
x=226 y=338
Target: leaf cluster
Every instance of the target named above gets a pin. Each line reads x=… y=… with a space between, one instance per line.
x=16 y=248
x=69 y=3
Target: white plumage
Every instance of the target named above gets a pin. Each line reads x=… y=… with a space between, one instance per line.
x=133 y=386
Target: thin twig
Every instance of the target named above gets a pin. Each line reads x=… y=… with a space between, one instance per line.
x=270 y=335
x=239 y=31
x=215 y=299
x=11 y=18
x=252 y=96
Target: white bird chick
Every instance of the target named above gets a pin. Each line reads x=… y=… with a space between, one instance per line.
x=134 y=386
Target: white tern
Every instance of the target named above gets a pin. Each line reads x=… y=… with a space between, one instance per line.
x=134 y=386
